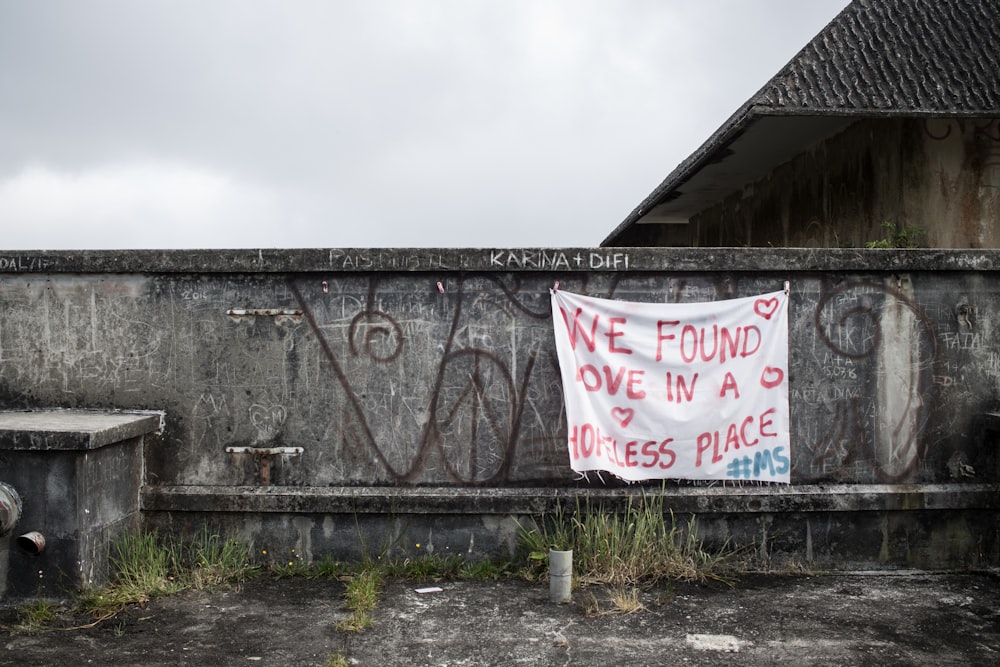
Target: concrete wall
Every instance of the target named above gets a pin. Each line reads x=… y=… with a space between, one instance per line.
x=941 y=176
x=330 y=401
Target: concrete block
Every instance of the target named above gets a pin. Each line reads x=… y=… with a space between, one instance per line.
x=78 y=474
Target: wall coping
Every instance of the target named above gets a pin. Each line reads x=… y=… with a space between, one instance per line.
x=549 y=260
x=507 y=501
x=72 y=430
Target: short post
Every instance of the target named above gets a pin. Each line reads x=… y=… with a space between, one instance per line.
x=560 y=575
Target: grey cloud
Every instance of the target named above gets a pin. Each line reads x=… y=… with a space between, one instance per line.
x=392 y=123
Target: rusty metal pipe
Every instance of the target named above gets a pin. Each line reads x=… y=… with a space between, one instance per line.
x=33 y=542
x=10 y=508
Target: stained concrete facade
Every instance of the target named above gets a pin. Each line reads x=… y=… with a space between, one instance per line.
x=939 y=177
x=340 y=401
x=936 y=178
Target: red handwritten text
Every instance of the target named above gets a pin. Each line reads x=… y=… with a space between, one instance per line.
x=588 y=440
x=737 y=435
x=707 y=343
x=594 y=379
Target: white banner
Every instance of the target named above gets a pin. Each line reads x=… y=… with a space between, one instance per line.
x=678 y=390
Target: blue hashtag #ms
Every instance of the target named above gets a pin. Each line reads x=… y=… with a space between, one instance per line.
x=739 y=468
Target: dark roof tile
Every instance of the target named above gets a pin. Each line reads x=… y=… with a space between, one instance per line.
x=928 y=56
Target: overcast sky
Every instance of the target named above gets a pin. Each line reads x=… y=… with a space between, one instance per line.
x=364 y=123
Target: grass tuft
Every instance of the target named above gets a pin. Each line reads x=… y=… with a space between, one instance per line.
x=142 y=565
x=145 y=566
x=638 y=546
x=34 y=617
x=619 y=600
x=360 y=597
x=621 y=550
x=217 y=561
x=336 y=660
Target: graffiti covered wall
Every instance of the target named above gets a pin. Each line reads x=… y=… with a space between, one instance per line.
x=402 y=368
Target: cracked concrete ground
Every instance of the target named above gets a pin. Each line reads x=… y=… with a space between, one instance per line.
x=913 y=618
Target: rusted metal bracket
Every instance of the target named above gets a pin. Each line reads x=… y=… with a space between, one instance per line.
x=263 y=456
x=280 y=315
x=266 y=451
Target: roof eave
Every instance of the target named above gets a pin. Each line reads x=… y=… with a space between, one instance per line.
x=739 y=122
x=729 y=130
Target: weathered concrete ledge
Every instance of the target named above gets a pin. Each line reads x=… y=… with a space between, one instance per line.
x=506 y=501
x=78 y=473
x=368 y=260
x=72 y=429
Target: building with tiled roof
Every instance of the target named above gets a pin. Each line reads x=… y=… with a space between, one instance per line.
x=885 y=127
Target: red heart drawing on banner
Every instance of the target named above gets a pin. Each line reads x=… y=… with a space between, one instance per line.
x=623 y=415
x=771 y=377
x=765 y=307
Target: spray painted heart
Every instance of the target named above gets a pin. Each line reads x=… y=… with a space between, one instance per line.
x=765 y=307
x=771 y=377
x=623 y=415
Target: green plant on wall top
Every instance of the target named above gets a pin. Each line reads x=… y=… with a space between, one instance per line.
x=899 y=237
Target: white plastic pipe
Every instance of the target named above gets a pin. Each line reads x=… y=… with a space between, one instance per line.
x=560 y=575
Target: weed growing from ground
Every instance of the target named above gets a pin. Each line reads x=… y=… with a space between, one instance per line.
x=364 y=579
x=218 y=561
x=145 y=565
x=34 y=617
x=360 y=597
x=289 y=568
x=328 y=567
x=618 y=600
x=623 y=551
x=336 y=660
x=638 y=546
x=620 y=550
x=428 y=567
x=485 y=570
